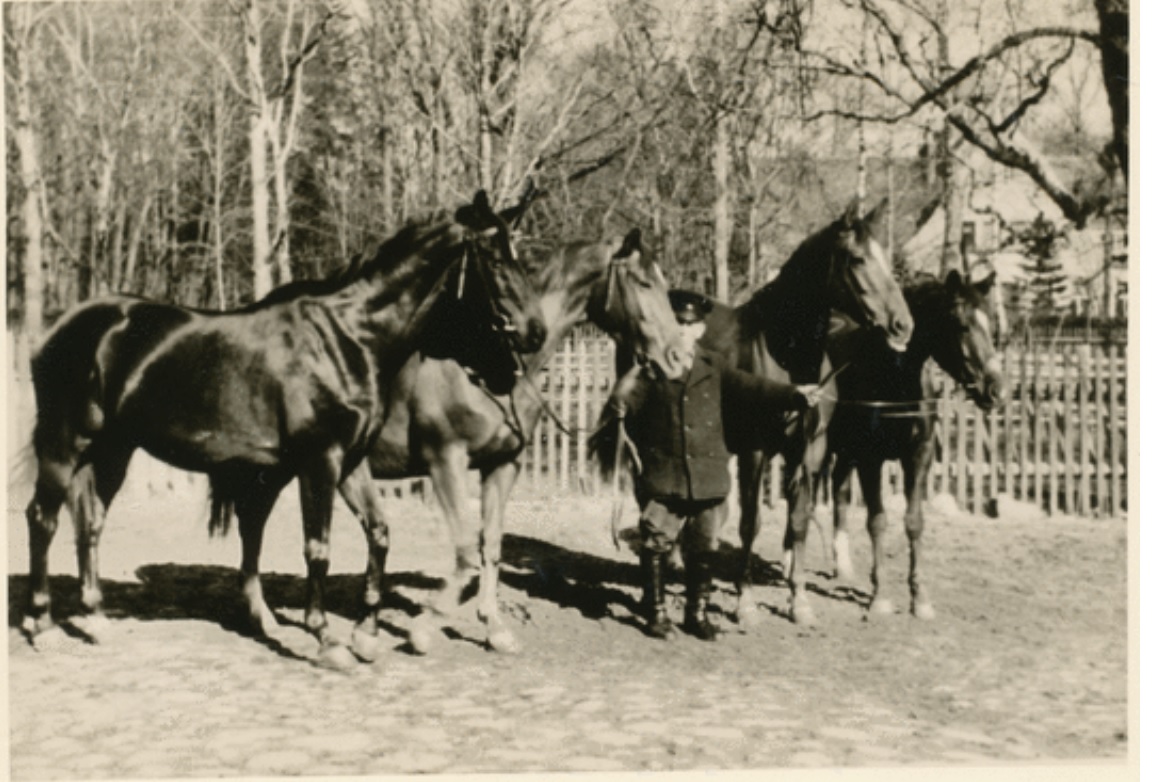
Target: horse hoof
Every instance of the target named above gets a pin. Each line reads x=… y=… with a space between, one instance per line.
x=422 y=636
x=747 y=617
x=263 y=625
x=94 y=627
x=922 y=609
x=803 y=616
x=503 y=642
x=336 y=657
x=50 y=638
x=365 y=646
x=881 y=608
x=36 y=627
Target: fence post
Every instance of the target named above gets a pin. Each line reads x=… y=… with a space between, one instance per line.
x=1114 y=412
x=961 y=408
x=1038 y=426
x=945 y=430
x=979 y=458
x=1099 y=420
x=1068 y=471
x=1083 y=503
x=581 y=414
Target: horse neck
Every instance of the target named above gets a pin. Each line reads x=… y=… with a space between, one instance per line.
x=563 y=304
x=926 y=302
x=791 y=314
x=393 y=300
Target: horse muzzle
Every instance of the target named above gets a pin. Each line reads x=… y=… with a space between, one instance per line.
x=531 y=342
x=899 y=333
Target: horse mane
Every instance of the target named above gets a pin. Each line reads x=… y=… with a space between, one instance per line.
x=402 y=244
x=782 y=312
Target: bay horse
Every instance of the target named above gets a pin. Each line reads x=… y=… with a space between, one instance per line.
x=288 y=387
x=440 y=423
x=780 y=333
x=888 y=410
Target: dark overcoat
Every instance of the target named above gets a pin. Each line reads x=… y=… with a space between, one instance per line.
x=686 y=429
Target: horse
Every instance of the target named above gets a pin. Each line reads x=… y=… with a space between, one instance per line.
x=440 y=423
x=888 y=410
x=287 y=387
x=780 y=333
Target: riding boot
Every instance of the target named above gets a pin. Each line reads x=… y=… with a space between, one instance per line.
x=698 y=585
x=652 y=567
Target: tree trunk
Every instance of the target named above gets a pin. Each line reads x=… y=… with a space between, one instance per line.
x=98 y=259
x=261 y=243
x=721 y=207
x=32 y=266
x=951 y=194
x=1114 y=36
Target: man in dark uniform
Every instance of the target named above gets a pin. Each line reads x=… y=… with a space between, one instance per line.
x=681 y=480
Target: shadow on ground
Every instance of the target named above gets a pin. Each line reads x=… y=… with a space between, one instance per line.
x=538 y=569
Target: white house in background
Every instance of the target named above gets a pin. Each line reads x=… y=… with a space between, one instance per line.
x=1006 y=204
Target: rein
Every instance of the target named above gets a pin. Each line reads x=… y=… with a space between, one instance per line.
x=510 y=413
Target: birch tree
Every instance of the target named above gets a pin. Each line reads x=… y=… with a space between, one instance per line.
x=22 y=33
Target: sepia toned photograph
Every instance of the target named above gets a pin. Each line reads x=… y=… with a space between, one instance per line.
x=550 y=387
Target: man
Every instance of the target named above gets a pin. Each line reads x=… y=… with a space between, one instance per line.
x=681 y=451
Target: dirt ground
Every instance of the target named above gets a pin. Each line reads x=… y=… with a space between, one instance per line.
x=1026 y=664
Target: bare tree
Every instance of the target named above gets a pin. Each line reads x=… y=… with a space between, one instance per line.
x=22 y=29
x=965 y=95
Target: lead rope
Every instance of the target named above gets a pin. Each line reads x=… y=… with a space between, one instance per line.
x=623 y=443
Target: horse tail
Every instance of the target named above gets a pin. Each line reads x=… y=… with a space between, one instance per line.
x=222 y=512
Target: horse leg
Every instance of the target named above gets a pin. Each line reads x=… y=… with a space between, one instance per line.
x=361 y=496
x=799 y=483
x=93 y=489
x=870 y=471
x=317 y=495
x=495 y=487
x=43 y=516
x=252 y=509
x=449 y=470
x=841 y=542
x=750 y=474
x=915 y=488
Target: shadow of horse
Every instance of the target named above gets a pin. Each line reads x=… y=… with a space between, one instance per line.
x=589 y=583
x=166 y=592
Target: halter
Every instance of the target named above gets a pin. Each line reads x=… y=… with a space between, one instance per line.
x=500 y=323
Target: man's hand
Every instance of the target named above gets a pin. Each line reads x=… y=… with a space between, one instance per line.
x=810 y=392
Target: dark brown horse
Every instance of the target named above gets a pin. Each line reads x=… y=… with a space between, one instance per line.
x=441 y=423
x=289 y=387
x=888 y=410
x=780 y=333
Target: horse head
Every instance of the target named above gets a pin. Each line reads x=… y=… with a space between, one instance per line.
x=967 y=347
x=860 y=282
x=504 y=288
x=631 y=304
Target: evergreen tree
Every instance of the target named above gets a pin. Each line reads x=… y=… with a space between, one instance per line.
x=1047 y=280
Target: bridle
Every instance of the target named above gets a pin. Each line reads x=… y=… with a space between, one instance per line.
x=617 y=269
x=501 y=323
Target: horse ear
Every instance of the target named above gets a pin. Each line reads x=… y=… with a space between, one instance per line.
x=513 y=214
x=985 y=285
x=852 y=214
x=478 y=215
x=877 y=214
x=953 y=281
x=630 y=245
